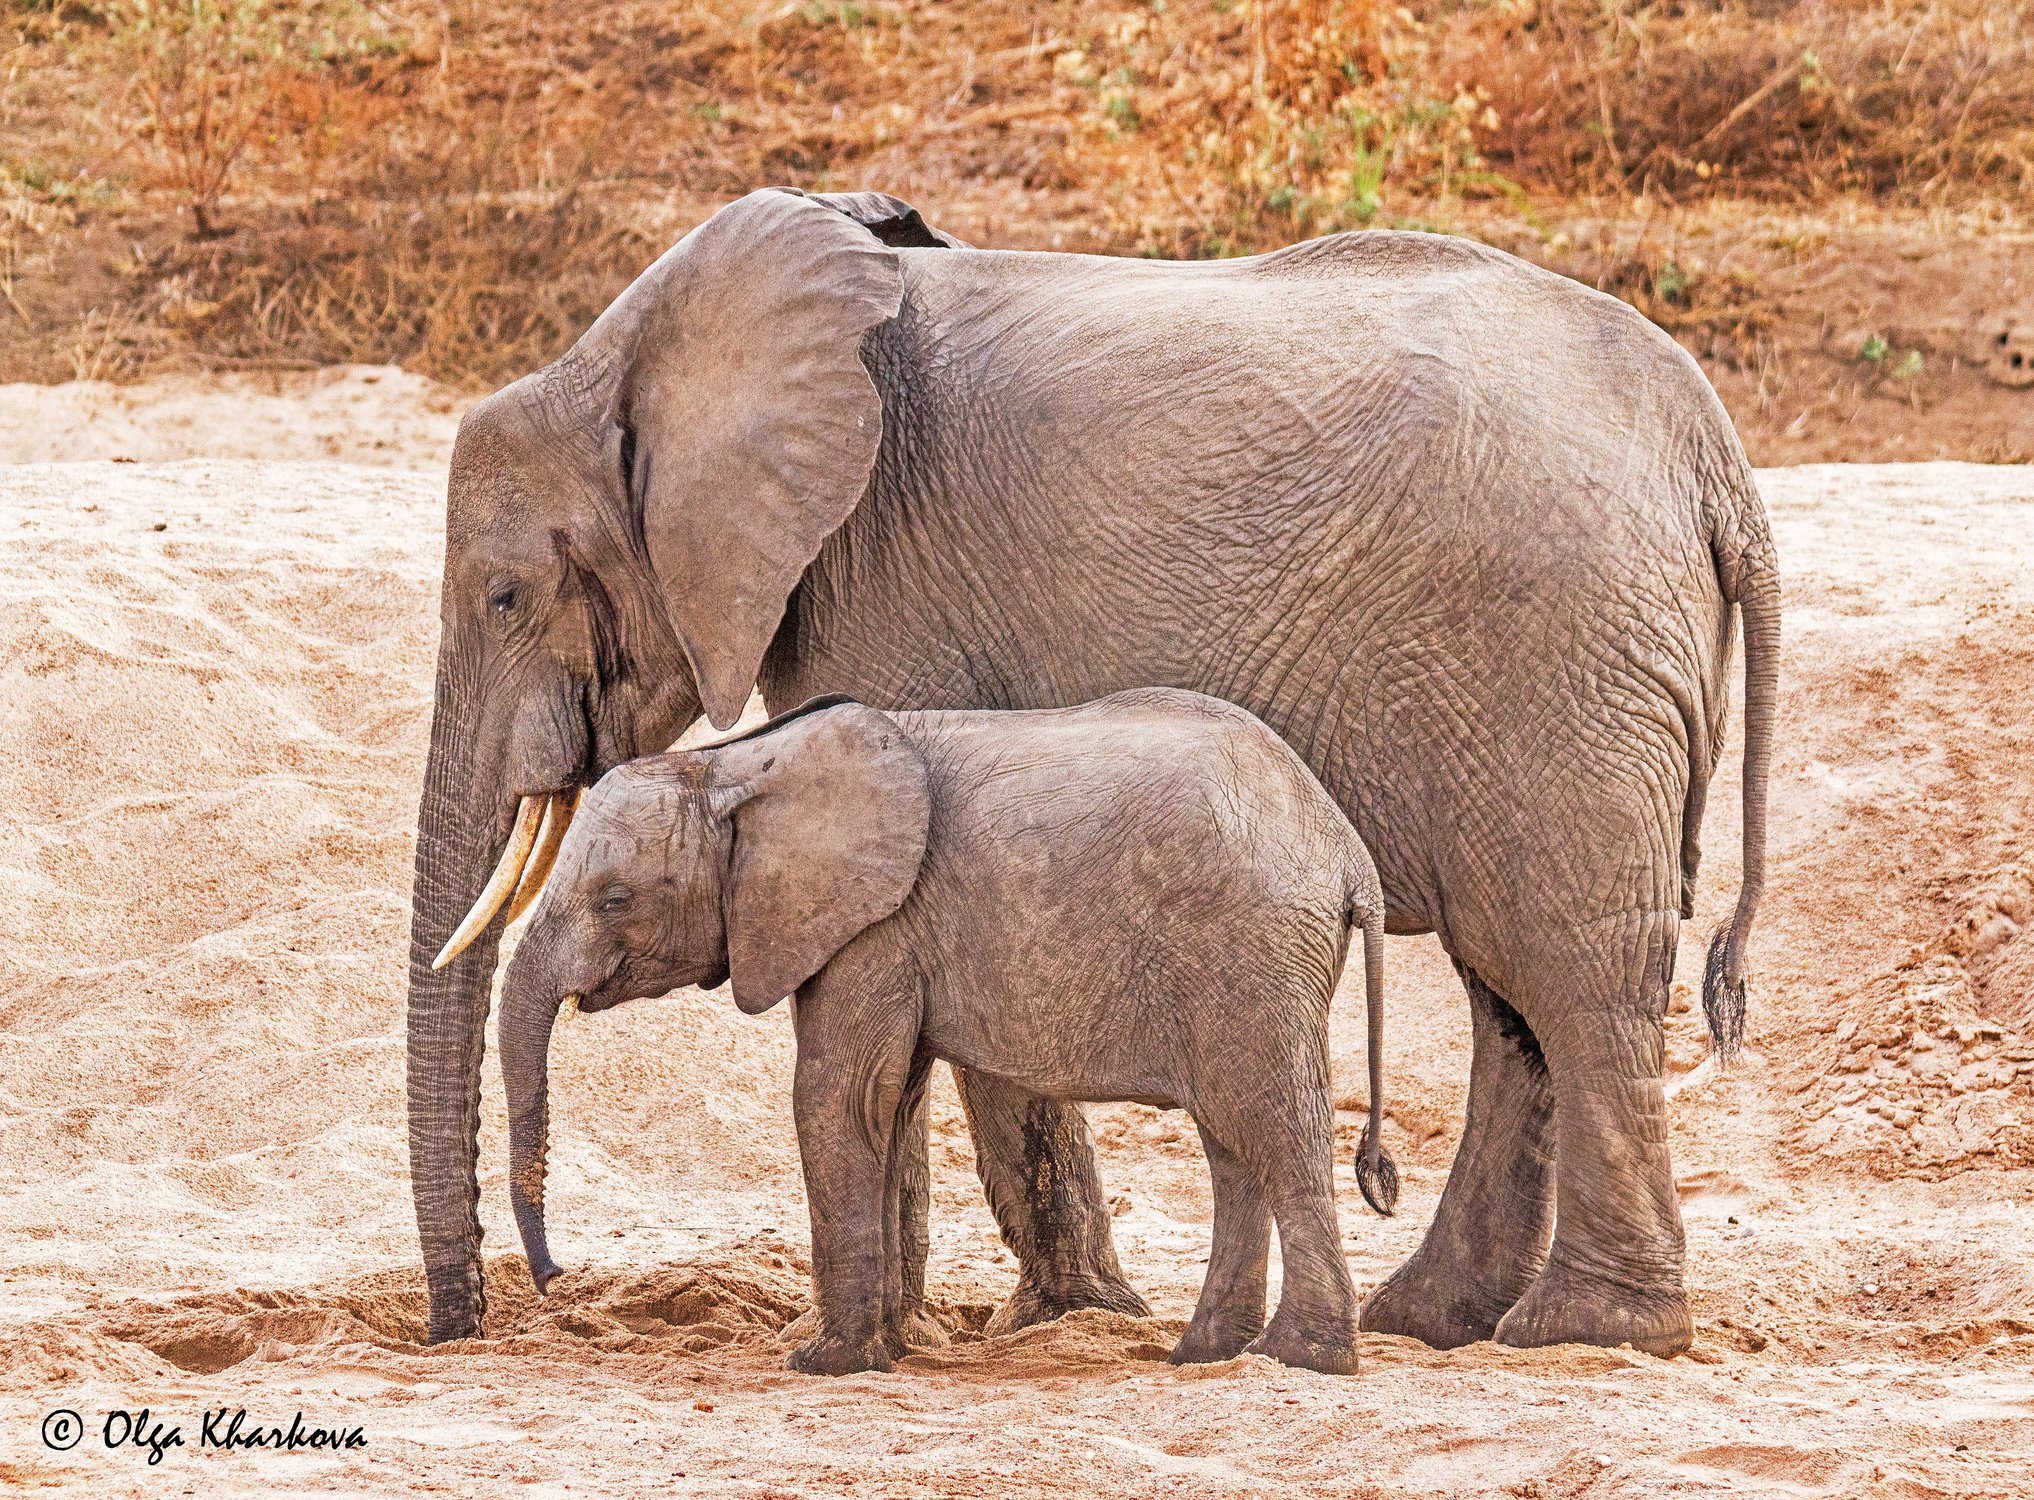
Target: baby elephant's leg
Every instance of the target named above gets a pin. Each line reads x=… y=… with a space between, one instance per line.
x=1231 y=1310
x=1315 y=1325
x=1291 y=1147
x=907 y=1188
x=854 y=1063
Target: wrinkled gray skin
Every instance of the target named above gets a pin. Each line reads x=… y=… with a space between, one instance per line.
x=1466 y=534
x=1147 y=898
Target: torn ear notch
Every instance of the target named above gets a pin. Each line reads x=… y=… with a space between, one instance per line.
x=891 y=220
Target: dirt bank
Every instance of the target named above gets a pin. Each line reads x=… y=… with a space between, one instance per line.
x=214 y=690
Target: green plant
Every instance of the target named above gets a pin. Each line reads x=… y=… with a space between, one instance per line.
x=848 y=17
x=1875 y=350
x=1670 y=282
x=1366 y=174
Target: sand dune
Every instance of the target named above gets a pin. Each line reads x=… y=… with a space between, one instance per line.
x=214 y=694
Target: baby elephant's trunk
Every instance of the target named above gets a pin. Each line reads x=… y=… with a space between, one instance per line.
x=1376 y=1173
x=527 y=1017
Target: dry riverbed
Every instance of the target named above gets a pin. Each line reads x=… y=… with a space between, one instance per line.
x=214 y=694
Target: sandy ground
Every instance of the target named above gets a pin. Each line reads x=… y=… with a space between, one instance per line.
x=362 y=414
x=214 y=690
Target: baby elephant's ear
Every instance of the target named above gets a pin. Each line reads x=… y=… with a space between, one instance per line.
x=829 y=832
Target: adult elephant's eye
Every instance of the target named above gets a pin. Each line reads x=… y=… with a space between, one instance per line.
x=617 y=899
x=502 y=597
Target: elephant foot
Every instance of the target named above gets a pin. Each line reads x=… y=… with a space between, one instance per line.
x=1569 y=1307
x=1441 y=1308
x=1036 y=1302
x=917 y=1329
x=1209 y=1345
x=825 y=1355
x=1332 y=1351
x=800 y=1328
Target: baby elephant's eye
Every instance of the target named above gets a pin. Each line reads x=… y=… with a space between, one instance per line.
x=618 y=898
x=502 y=597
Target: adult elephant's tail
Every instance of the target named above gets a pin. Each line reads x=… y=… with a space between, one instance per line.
x=1749 y=573
x=1376 y=1172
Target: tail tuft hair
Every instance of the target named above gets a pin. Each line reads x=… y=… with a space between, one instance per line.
x=1723 y=996
x=1377 y=1175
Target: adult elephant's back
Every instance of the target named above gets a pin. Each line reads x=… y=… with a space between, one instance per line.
x=1467 y=533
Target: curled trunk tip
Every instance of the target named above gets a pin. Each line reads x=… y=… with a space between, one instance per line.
x=528 y=1016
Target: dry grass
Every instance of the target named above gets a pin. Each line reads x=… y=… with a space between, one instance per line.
x=465 y=288
x=1913 y=102
x=459 y=187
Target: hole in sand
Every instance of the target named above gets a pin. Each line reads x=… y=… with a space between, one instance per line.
x=203 y=1352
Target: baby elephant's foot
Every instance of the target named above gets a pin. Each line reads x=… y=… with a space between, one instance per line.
x=800 y=1328
x=826 y=1355
x=1331 y=1351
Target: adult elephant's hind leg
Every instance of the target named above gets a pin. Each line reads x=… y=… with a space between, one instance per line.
x=1037 y=1163
x=1614 y=1275
x=1489 y=1236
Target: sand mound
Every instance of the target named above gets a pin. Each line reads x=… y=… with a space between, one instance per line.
x=214 y=690
x=743 y=1295
x=361 y=414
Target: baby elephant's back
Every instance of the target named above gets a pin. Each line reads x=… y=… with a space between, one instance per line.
x=1156 y=798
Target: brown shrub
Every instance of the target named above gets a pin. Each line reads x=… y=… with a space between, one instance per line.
x=204 y=73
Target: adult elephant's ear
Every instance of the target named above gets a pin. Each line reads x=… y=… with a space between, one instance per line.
x=748 y=423
x=831 y=810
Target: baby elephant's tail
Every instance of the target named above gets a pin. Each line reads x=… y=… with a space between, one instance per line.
x=1376 y=1173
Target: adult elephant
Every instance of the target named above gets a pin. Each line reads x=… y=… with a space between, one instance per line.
x=1466 y=533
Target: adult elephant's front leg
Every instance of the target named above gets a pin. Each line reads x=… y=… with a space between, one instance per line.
x=1488 y=1240
x=1614 y=1274
x=1037 y=1164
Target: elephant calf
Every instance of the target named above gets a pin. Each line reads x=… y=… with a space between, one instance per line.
x=1148 y=897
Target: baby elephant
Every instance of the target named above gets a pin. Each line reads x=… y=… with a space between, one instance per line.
x=1148 y=897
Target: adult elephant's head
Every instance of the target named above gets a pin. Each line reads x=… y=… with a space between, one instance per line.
x=623 y=529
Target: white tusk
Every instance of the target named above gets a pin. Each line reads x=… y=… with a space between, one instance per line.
x=558 y=810
x=500 y=884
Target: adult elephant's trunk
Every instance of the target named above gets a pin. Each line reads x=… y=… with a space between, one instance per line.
x=460 y=829
x=529 y=1010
